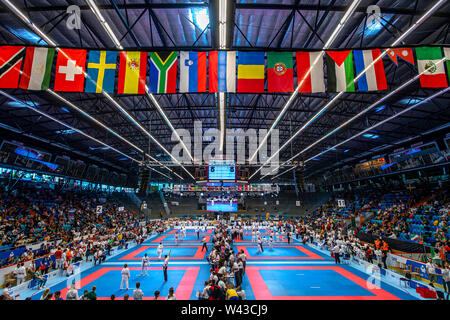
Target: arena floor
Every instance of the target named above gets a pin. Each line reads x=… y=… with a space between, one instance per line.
x=287 y=272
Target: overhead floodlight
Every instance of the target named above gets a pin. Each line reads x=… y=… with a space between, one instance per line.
x=103 y=22
x=223 y=24
x=27 y=21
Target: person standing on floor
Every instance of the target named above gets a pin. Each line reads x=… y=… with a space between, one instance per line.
x=125 y=276
x=145 y=264
x=160 y=249
x=241 y=271
x=21 y=273
x=260 y=246
x=336 y=252
x=205 y=246
x=243 y=258
x=165 y=265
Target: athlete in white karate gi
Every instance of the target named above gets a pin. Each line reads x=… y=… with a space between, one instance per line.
x=160 y=249
x=125 y=276
x=145 y=264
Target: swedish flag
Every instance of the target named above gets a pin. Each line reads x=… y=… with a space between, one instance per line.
x=101 y=71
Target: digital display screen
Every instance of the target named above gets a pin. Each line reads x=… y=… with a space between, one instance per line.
x=221 y=172
x=221 y=206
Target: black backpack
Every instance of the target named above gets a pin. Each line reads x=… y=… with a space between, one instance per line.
x=214 y=292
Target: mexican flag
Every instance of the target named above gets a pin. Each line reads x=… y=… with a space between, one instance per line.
x=37 y=68
x=447 y=61
x=431 y=67
x=280 y=72
x=340 y=73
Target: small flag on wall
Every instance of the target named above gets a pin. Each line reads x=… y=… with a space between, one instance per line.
x=447 y=61
x=310 y=74
x=374 y=77
x=222 y=71
x=250 y=73
x=69 y=73
x=163 y=72
x=403 y=53
x=101 y=71
x=193 y=71
x=11 y=58
x=431 y=67
x=132 y=72
x=340 y=71
x=37 y=68
x=280 y=72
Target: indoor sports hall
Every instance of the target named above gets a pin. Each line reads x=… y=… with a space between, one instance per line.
x=259 y=151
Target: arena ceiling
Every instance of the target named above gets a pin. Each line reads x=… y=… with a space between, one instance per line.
x=264 y=25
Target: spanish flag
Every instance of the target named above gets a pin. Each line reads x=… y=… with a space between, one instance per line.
x=132 y=72
x=250 y=72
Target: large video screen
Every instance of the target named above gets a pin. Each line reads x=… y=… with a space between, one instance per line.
x=226 y=172
x=221 y=206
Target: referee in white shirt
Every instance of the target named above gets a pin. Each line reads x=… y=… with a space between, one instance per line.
x=165 y=265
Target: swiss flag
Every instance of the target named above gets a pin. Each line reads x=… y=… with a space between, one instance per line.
x=69 y=73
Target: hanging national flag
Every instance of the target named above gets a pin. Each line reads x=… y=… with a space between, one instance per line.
x=37 y=68
x=280 y=72
x=373 y=78
x=250 y=75
x=69 y=74
x=404 y=53
x=340 y=71
x=101 y=71
x=447 y=61
x=11 y=58
x=192 y=71
x=163 y=72
x=222 y=71
x=431 y=67
x=132 y=72
x=310 y=75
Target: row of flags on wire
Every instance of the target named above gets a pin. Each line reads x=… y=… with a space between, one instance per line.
x=94 y=71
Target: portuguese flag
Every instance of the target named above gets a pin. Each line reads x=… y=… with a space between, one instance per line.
x=280 y=72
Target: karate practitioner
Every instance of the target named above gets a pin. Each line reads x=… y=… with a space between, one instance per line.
x=125 y=276
x=271 y=242
x=160 y=249
x=145 y=264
